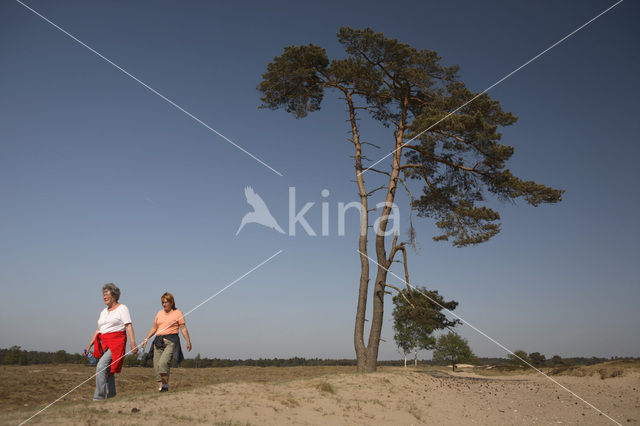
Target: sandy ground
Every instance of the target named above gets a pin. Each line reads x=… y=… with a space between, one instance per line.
x=394 y=396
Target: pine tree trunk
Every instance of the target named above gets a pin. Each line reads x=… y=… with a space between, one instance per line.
x=358 y=335
x=376 y=320
x=367 y=357
x=415 y=358
x=381 y=254
x=363 y=288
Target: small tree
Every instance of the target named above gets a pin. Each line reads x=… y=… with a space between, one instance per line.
x=537 y=359
x=416 y=315
x=519 y=358
x=452 y=348
x=14 y=356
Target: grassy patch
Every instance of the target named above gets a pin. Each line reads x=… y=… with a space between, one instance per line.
x=183 y=418
x=415 y=412
x=502 y=371
x=606 y=373
x=290 y=401
x=326 y=387
x=378 y=402
x=605 y=370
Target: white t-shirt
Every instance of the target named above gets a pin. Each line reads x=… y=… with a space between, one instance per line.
x=115 y=320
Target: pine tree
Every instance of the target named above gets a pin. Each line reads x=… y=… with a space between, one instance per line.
x=448 y=145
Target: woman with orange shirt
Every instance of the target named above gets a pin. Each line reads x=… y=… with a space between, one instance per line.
x=166 y=345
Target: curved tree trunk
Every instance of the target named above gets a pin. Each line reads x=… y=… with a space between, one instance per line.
x=376 y=321
x=367 y=356
x=381 y=255
x=361 y=310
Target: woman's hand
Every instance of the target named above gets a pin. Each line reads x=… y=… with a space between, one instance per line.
x=134 y=348
x=185 y=333
x=93 y=339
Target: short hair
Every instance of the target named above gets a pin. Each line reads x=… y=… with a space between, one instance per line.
x=169 y=298
x=112 y=289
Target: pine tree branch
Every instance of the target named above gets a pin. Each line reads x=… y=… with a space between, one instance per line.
x=392 y=253
x=462 y=140
x=369 y=143
x=442 y=161
x=412 y=233
x=401 y=293
x=380 y=171
x=377 y=189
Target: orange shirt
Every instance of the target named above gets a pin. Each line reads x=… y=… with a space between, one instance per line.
x=168 y=322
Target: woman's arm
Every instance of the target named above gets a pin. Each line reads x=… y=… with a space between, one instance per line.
x=185 y=333
x=132 y=337
x=151 y=332
x=93 y=339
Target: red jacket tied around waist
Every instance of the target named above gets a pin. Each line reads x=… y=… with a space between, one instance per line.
x=115 y=341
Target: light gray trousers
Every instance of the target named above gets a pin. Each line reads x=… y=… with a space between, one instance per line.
x=105 y=381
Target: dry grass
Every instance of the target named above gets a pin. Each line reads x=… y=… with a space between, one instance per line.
x=415 y=411
x=290 y=401
x=503 y=371
x=36 y=385
x=326 y=387
x=605 y=370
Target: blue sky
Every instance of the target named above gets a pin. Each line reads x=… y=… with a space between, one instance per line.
x=103 y=181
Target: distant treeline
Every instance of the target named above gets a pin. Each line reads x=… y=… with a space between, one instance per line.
x=199 y=362
x=17 y=356
x=551 y=362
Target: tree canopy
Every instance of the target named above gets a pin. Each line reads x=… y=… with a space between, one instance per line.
x=519 y=357
x=452 y=348
x=417 y=314
x=458 y=159
x=537 y=359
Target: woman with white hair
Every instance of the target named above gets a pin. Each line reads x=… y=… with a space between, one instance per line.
x=109 y=341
